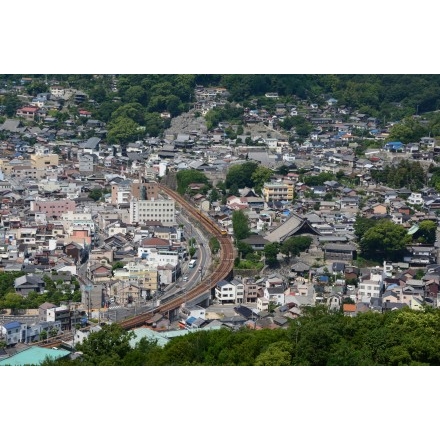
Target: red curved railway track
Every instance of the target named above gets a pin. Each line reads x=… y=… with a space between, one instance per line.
x=223 y=270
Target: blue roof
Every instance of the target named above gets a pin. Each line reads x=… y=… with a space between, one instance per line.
x=12 y=325
x=190 y=320
x=394 y=143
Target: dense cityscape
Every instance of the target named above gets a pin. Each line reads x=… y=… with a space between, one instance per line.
x=219 y=219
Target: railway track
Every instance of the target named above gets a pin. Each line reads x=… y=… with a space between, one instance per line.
x=225 y=267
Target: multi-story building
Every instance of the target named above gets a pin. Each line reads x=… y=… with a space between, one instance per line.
x=53 y=208
x=42 y=161
x=372 y=287
x=152 y=210
x=145 y=190
x=86 y=163
x=239 y=290
x=121 y=192
x=75 y=219
x=61 y=314
x=252 y=290
x=26 y=172
x=124 y=191
x=225 y=292
x=57 y=91
x=27 y=113
x=278 y=191
x=145 y=275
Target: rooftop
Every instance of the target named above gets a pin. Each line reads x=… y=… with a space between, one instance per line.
x=34 y=356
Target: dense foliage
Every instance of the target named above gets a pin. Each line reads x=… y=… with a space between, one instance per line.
x=319 y=337
x=186 y=177
x=248 y=174
x=132 y=103
x=54 y=292
x=385 y=240
x=240 y=224
x=405 y=173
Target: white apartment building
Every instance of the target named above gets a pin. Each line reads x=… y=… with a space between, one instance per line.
x=373 y=286
x=78 y=219
x=225 y=292
x=415 y=199
x=159 y=257
x=152 y=210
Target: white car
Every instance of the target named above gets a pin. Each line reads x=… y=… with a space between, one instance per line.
x=185 y=278
x=350 y=287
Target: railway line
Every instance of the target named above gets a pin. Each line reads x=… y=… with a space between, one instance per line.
x=224 y=269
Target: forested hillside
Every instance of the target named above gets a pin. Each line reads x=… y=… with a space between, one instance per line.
x=141 y=98
x=319 y=337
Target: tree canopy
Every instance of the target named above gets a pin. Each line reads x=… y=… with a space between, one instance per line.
x=317 y=338
x=385 y=240
x=186 y=177
x=240 y=224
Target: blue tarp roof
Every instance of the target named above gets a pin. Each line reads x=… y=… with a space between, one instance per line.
x=190 y=320
x=12 y=325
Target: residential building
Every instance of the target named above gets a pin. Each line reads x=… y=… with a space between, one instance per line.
x=28 y=112
x=278 y=191
x=52 y=208
x=144 y=274
x=152 y=210
x=43 y=161
x=86 y=163
x=225 y=292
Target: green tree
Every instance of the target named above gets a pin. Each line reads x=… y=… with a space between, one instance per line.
x=270 y=254
x=240 y=175
x=260 y=176
x=95 y=194
x=135 y=94
x=240 y=224
x=409 y=130
x=244 y=249
x=11 y=103
x=362 y=225
x=186 y=177
x=426 y=232
x=214 y=245
x=277 y=354
x=386 y=240
x=122 y=130
x=12 y=301
x=107 y=347
x=133 y=111
x=191 y=251
x=293 y=246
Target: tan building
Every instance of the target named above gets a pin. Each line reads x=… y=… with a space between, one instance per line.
x=278 y=191
x=43 y=161
x=5 y=166
x=149 y=189
x=26 y=171
x=125 y=190
x=146 y=276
